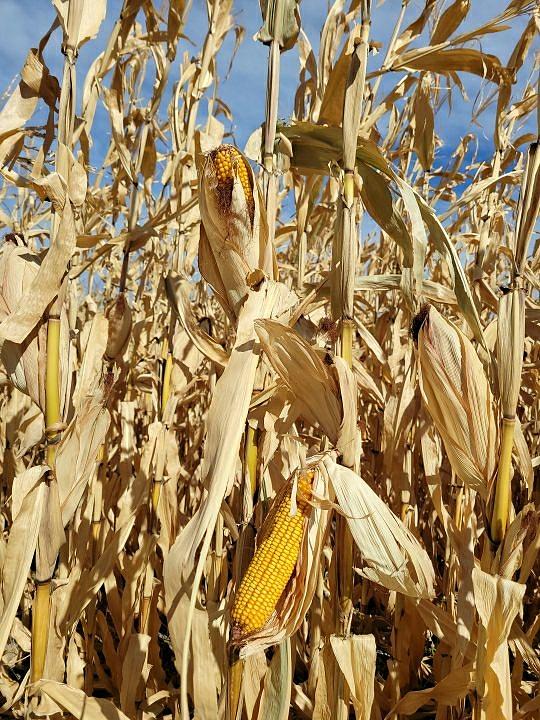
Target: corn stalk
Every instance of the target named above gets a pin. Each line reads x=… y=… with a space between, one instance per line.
x=344 y=259
x=53 y=419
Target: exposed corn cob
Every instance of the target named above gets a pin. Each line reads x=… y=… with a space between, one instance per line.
x=229 y=164
x=273 y=564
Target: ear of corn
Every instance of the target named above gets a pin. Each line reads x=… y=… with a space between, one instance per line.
x=273 y=564
x=230 y=164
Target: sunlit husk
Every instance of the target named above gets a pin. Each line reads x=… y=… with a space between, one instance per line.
x=324 y=386
x=393 y=556
x=498 y=602
x=457 y=395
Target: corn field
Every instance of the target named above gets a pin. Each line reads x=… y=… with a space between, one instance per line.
x=270 y=415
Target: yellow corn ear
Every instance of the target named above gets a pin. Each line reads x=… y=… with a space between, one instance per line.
x=273 y=564
x=230 y=163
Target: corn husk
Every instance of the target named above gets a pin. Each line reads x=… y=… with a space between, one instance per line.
x=24 y=363
x=528 y=208
x=498 y=601
x=119 y=315
x=18 y=267
x=393 y=556
x=323 y=386
x=457 y=395
x=356 y=657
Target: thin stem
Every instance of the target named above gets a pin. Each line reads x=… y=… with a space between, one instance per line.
x=234 y=686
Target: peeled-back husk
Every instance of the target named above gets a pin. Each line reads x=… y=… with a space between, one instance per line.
x=394 y=557
x=324 y=386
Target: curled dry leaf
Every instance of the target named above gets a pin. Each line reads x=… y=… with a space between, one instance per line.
x=394 y=557
x=77 y=703
x=323 y=386
x=178 y=294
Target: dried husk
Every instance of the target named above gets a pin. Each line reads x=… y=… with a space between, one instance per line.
x=356 y=656
x=528 y=207
x=24 y=363
x=20 y=549
x=119 y=315
x=498 y=601
x=178 y=294
x=18 y=267
x=457 y=395
x=324 y=386
x=423 y=139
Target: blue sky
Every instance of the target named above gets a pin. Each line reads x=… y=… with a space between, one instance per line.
x=25 y=21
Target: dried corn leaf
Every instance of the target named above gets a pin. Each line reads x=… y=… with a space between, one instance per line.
x=394 y=557
x=459 y=60
x=356 y=656
x=453 y=687
x=78 y=704
x=498 y=601
x=20 y=549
